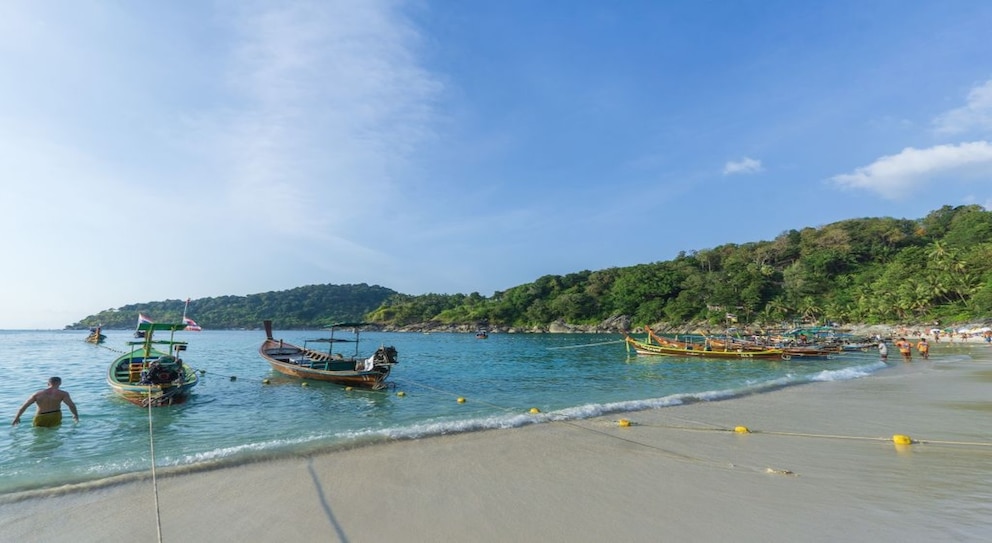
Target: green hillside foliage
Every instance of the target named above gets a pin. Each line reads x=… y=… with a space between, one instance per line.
x=870 y=270
x=314 y=306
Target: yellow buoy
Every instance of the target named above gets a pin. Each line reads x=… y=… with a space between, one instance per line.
x=265 y=381
x=623 y=423
x=347 y=388
x=534 y=410
x=401 y=394
x=900 y=439
x=461 y=400
x=742 y=430
x=304 y=384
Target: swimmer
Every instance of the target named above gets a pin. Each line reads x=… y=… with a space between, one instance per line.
x=49 y=403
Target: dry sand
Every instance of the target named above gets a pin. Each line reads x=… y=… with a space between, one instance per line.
x=819 y=465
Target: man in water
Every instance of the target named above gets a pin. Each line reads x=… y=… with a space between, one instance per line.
x=883 y=350
x=49 y=402
x=923 y=348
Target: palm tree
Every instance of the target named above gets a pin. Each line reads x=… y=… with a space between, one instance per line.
x=810 y=310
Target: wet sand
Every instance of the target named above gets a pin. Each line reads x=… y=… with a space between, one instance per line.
x=819 y=464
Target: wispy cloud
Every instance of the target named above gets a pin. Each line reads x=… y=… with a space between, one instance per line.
x=331 y=103
x=975 y=115
x=896 y=175
x=744 y=166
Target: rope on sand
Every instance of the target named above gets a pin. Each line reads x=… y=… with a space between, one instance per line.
x=151 y=447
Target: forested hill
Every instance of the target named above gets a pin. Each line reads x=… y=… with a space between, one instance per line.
x=870 y=270
x=314 y=306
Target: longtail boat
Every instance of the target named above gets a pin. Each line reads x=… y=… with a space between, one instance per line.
x=152 y=372
x=96 y=336
x=335 y=367
x=657 y=346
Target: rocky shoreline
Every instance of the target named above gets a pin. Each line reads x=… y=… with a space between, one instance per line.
x=971 y=331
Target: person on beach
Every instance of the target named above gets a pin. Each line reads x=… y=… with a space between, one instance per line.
x=883 y=350
x=905 y=348
x=49 y=403
x=923 y=347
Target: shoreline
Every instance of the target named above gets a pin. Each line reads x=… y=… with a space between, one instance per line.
x=819 y=464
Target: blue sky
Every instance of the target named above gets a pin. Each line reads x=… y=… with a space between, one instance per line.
x=165 y=150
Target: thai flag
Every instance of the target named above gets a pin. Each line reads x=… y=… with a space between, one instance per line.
x=191 y=325
x=142 y=319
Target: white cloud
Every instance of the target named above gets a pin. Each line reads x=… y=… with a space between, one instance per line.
x=895 y=175
x=975 y=115
x=743 y=166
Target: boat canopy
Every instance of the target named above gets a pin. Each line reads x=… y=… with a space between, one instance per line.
x=157 y=326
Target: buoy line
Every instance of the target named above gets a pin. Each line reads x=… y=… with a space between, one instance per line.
x=458 y=397
x=575 y=424
x=899 y=439
x=586 y=345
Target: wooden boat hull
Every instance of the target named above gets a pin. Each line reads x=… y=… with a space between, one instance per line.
x=128 y=377
x=303 y=363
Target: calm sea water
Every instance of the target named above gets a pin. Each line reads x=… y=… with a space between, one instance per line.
x=233 y=416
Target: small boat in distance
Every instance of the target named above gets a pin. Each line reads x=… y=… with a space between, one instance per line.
x=152 y=372
x=96 y=335
x=330 y=366
x=481 y=334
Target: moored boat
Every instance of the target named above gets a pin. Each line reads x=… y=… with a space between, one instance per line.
x=652 y=346
x=335 y=367
x=96 y=335
x=152 y=372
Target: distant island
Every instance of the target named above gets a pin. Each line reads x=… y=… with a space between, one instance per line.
x=865 y=271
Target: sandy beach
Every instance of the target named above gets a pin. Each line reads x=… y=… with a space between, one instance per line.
x=819 y=464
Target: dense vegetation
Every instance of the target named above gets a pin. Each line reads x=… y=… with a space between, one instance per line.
x=872 y=270
x=314 y=306
x=878 y=270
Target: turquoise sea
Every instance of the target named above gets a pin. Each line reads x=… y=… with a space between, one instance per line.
x=233 y=417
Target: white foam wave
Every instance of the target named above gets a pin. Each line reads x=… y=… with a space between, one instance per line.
x=501 y=421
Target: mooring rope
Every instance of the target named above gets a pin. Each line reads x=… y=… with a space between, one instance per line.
x=151 y=447
x=586 y=345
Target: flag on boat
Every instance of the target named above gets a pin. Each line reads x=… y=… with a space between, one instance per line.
x=142 y=319
x=191 y=325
